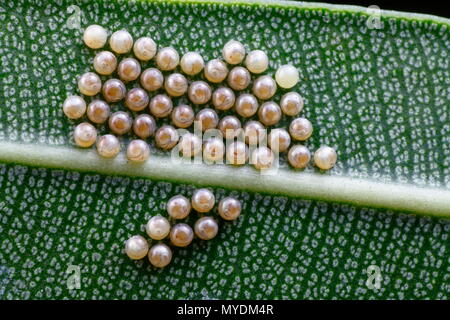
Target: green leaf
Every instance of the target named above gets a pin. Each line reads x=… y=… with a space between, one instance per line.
x=380 y=96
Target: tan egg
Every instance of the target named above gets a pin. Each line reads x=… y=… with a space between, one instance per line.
x=166 y=137
x=207 y=118
x=152 y=79
x=206 y=228
x=181 y=235
x=254 y=132
x=120 y=122
x=192 y=63
x=129 y=69
x=178 y=207
x=223 y=98
x=157 y=227
x=233 y=52
x=229 y=126
x=137 y=99
x=183 y=116
x=269 y=113
x=113 y=90
x=89 y=84
x=230 y=208
x=237 y=153
x=161 y=106
x=138 y=151
x=246 y=105
x=299 y=156
x=279 y=140
x=216 y=71
x=95 y=36
x=203 y=200
x=300 y=129
x=85 y=135
x=213 y=150
x=325 y=158
x=239 y=78
x=145 y=48
x=262 y=158
x=199 y=92
x=121 y=42
x=257 y=61
x=98 y=111
x=105 y=63
x=160 y=255
x=264 y=87
x=136 y=247
x=291 y=103
x=108 y=146
x=144 y=126
x=176 y=84
x=167 y=59
x=74 y=107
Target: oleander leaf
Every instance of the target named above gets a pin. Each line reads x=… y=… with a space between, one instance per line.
x=380 y=96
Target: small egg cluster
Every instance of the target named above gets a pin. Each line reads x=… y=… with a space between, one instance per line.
x=181 y=234
x=170 y=77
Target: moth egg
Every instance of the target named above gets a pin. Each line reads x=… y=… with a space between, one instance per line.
x=229 y=208
x=192 y=63
x=166 y=137
x=291 y=103
x=246 y=105
x=121 y=42
x=152 y=79
x=120 y=122
x=138 y=151
x=299 y=156
x=254 y=132
x=262 y=158
x=190 y=145
x=108 y=146
x=287 y=76
x=95 y=36
x=136 y=247
x=203 y=200
x=98 y=111
x=213 y=150
x=206 y=228
x=89 y=84
x=137 y=99
x=74 y=107
x=239 y=78
x=161 y=106
x=129 y=69
x=167 y=59
x=160 y=255
x=207 y=118
x=233 y=52
x=269 y=113
x=183 y=116
x=181 y=235
x=176 y=85
x=85 y=135
x=157 y=227
x=113 y=90
x=257 y=61
x=199 y=92
x=279 y=140
x=144 y=48
x=216 y=71
x=237 y=153
x=178 y=207
x=144 y=126
x=223 y=98
x=325 y=158
x=264 y=87
x=229 y=126
x=105 y=63
x=300 y=129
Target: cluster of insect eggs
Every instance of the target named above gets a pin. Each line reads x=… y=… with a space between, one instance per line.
x=199 y=93
x=159 y=228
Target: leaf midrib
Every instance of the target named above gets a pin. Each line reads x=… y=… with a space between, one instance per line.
x=316 y=186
